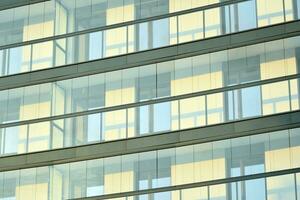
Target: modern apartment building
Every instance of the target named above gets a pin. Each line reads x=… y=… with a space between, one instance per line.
x=150 y=99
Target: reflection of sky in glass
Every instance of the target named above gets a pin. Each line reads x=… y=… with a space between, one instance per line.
x=94 y=127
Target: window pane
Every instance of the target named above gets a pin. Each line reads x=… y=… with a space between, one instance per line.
x=218 y=192
x=165 y=79
x=42 y=183
x=201 y=72
x=147 y=82
x=295 y=147
x=281 y=187
x=275 y=98
x=27 y=184
x=166 y=163
x=114 y=125
x=183 y=77
x=213 y=22
x=113 y=88
x=61 y=177
x=80 y=94
x=164 y=32
x=278 y=156
x=203 y=162
x=112 y=175
x=165 y=116
x=269 y=13
x=115 y=42
x=251 y=102
x=192 y=112
x=190 y=27
x=295 y=92
x=129 y=85
x=96 y=91
x=129 y=172
x=215 y=108
x=184 y=168
x=95 y=178
x=147 y=170
x=200 y=193
x=11 y=184
x=39 y=137
x=221 y=157
x=78 y=179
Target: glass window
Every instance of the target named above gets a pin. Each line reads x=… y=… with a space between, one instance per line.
x=281 y=187
x=269 y=14
x=218 y=69
x=218 y=192
x=252 y=189
x=251 y=102
x=95 y=178
x=95 y=45
x=6 y=21
x=45 y=98
x=83 y=13
x=13 y=140
x=215 y=108
x=275 y=98
x=164 y=32
x=278 y=156
x=213 y=24
x=165 y=116
x=200 y=193
x=295 y=147
x=11 y=184
x=20 y=21
x=129 y=85
x=42 y=55
x=4 y=103
x=80 y=94
x=115 y=41
x=114 y=125
x=243 y=16
x=149 y=8
x=42 y=183
x=147 y=82
x=113 y=88
x=129 y=172
x=298 y=185
x=240 y=155
x=165 y=79
x=112 y=175
x=78 y=179
x=60 y=179
x=147 y=170
x=184 y=167
x=39 y=137
x=27 y=187
x=203 y=162
x=221 y=158
x=192 y=112
x=183 y=77
x=294 y=94
x=19 y=59
x=96 y=92
x=201 y=72
x=255 y=58
x=190 y=27
x=292 y=55
x=30 y=107
x=166 y=165
x=15 y=104
x=98 y=13
x=237 y=66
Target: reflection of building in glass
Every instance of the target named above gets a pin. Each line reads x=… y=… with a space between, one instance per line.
x=150 y=99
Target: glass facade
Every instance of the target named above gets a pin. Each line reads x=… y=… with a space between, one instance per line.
x=131 y=38
x=149 y=119
x=170 y=167
x=257 y=78
x=205 y=72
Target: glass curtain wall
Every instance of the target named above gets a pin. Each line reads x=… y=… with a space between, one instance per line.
x=132 y=38
x=236 y=66
x=235 y=157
